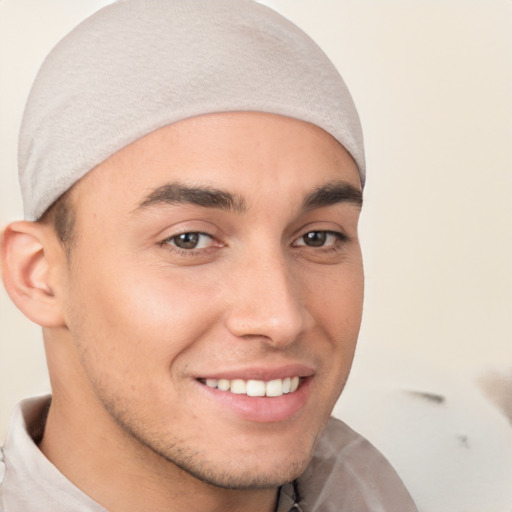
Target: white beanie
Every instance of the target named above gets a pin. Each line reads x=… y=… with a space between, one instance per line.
x=138 y=65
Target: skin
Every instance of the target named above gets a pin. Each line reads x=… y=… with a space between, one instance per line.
x=131 y=321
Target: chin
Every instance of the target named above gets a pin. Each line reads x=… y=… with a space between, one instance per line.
x=224 y=455
x=238 y=476
x=236 y=466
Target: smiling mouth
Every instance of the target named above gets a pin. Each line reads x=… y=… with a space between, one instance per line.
x=271 y=388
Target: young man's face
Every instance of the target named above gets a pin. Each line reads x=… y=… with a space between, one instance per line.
x=218 y=251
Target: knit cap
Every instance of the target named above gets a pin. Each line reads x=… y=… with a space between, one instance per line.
x=138 y=65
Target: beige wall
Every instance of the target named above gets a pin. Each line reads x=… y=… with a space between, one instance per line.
x=432 y=81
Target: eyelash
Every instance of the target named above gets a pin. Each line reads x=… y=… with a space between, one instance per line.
x=340 y=238
x=180 y=250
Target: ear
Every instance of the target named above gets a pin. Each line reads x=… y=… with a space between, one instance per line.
x=27 y=271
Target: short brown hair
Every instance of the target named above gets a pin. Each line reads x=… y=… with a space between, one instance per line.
x=61 y=215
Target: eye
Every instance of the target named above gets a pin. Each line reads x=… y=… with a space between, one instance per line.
x=319 y=239
x=192 y=240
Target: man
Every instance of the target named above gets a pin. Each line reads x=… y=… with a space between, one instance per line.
x=192 y=176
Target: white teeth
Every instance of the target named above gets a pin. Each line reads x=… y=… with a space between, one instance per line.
x=224 y=384
x=271 y=388
x=255 y=388
x=238 y=386
x=212 y=383
x=274 y=388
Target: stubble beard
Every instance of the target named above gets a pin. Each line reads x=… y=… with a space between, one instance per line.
x=176 y=453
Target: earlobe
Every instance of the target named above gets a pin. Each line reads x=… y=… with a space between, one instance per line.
x=27 y=272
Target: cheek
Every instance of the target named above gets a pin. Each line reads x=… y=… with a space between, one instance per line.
x=334 y=295
x=141 y=320
x=335 y=300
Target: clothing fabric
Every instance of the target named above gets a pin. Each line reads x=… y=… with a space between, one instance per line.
x=346 y=474
x=139 y=65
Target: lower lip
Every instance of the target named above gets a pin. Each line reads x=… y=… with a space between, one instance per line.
x=262 y=409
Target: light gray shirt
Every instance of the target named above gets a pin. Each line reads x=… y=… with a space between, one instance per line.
x=347 y=474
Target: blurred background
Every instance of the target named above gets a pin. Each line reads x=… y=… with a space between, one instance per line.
x=432 y=380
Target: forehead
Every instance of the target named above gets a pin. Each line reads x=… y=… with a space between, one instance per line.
x=245 y=152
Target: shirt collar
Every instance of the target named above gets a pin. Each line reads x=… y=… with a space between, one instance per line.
x=31 y=481
x=287 y=501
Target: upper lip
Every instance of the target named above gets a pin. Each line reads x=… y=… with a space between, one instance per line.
x=261 y=372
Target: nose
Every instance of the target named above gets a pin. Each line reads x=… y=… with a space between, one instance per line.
x=267 y=301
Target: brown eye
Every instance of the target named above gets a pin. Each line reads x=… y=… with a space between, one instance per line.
x=319 y=239
x=190 y=241
x=315 y=238
x=186 y=240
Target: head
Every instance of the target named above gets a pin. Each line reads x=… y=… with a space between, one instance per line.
x=184 y=253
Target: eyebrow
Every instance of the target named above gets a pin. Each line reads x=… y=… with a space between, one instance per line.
x=333 y=193
x=207 y=197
